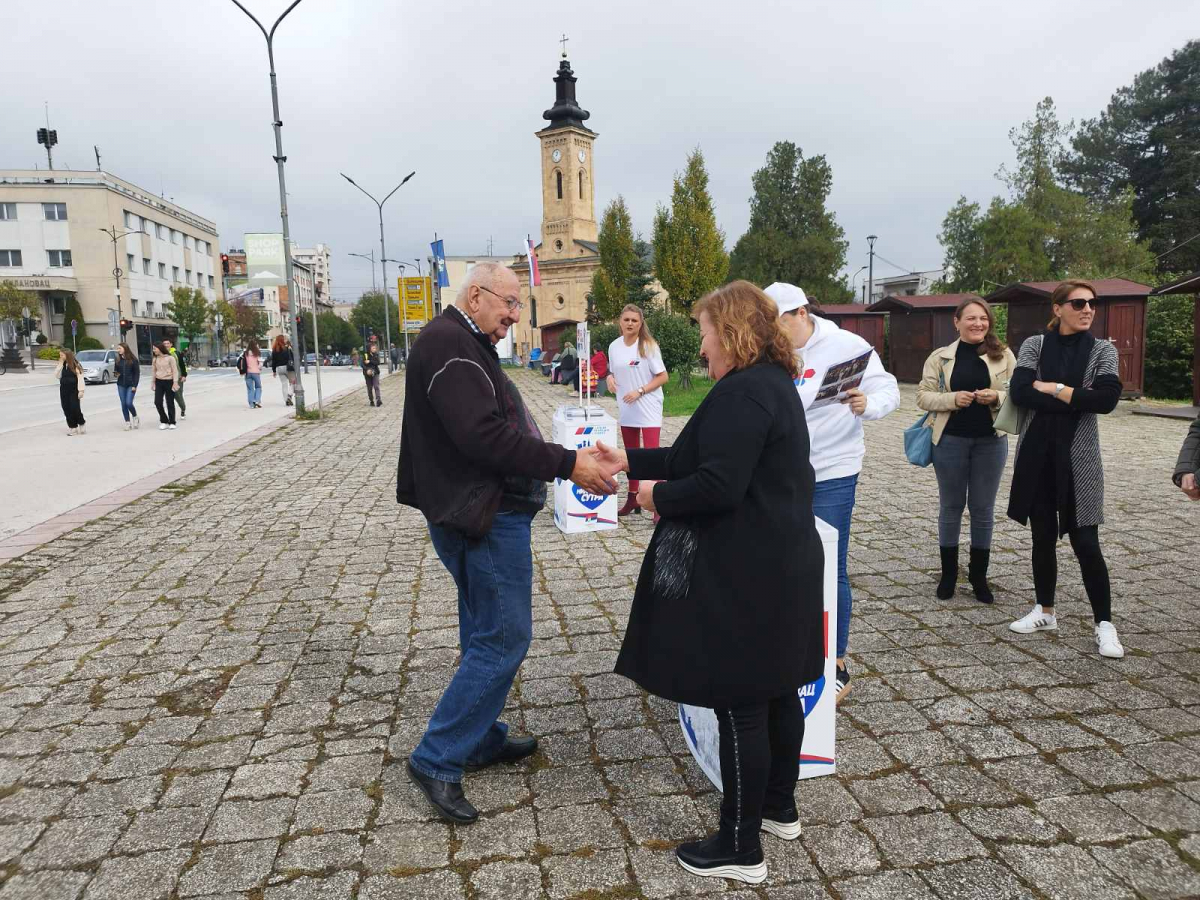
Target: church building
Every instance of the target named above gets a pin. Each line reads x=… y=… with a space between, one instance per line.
x=568 y=255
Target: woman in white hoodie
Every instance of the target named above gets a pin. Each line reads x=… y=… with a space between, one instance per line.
x=835 y=431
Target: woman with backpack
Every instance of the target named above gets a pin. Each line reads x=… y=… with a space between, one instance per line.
x=283 y=367
x=250 y=365
x=70 y=391
x=166 y=383
x=129 y=373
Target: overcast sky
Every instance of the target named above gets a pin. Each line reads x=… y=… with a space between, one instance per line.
x=911 y=102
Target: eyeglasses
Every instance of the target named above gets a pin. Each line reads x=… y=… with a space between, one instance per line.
x=513 y=304
x=1080 y=302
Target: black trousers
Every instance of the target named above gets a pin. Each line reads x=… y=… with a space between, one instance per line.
x=1043 y=523
x=71 y=409
x=373 y=385
x=760 y=765
x=163 y=393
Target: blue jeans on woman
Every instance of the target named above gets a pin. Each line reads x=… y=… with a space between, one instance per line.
x=254 y=388
x=494 y=575
x=968 y=473
x=125 y=393
x=833 y=502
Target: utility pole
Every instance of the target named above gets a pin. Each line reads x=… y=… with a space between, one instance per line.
x=114 y=236
x=280 y=159
x=871 y=239
x=371 y=257
x=97 y=149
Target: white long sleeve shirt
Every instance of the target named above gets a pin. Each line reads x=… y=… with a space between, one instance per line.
x=835 y=432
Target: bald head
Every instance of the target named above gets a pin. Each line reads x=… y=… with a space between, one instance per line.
x=491 y=297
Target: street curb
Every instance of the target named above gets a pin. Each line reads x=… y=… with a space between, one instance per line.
x=44 y=532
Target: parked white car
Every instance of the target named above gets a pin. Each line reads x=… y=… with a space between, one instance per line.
x=98 y=365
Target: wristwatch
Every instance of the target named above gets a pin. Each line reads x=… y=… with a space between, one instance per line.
x=642 y=392
x=1058 y=389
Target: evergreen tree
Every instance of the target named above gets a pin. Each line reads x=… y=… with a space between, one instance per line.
x=689 y=249
x=639 y=286
x=792 y=236
x=72 y=312
x=616 y=261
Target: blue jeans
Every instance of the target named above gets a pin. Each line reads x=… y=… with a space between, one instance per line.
x=833 y=501
x=253 y=387
x=968 y=474
x=125 y=393
x=495 y=625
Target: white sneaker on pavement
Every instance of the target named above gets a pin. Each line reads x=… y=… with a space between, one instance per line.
x=162 y=427
x=172 y=427
x=1035 y=620
x=71 y=432
x=1108 y=642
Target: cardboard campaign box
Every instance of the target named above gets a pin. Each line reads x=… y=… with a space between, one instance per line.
x=576 y=510
x=819 y=697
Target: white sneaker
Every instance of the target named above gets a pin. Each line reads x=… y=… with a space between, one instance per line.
x=162 y=427
x=71 y=432
x=1108 y=642
x=172 y=427
x=83 y=429
x=129 y=426
x=137 y=423
x=1035 y=620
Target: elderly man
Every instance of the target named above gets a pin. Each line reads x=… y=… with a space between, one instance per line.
x=473 y=461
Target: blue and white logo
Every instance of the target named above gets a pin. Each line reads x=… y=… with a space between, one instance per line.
x=589 y=500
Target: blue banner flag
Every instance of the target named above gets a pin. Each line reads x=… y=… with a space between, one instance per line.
x=439 y=260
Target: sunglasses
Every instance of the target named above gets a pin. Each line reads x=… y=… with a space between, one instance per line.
x=1079 y=303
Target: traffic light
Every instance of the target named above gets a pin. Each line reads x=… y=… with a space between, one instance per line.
x=224 y=263
x=126 y=324
x=47 y=137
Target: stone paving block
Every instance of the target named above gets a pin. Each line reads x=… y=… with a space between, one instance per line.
x=569 y=786
x=204 y=789
x=14 y=839
x=899 y=793
x=630 y=743
x=33 y=804
x=346 y=772
x=443 y=885
x=45 y=886
x=261 y=780
x=1152 y=867
x=659 y=875
x=338 y=886
x=841 y=849
x=654 y=777
x=601 y=872
x=151 y=876
x=671 y=819
x=73 y=842
x=506 y=881
x=503 y=834
x=164 y=829
x=229 y=867
x=908 y=841
x=1064 y=871
x=319 y=852
x=1103 y=768
x=1164 y=809
x=410 y=846
x=1010 y=823
x=887 y=886
x=1090 y=818
x=976 y=879
x=248 y=820
x=1034 y=777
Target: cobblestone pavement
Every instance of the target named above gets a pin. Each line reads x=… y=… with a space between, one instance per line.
x=211 y=693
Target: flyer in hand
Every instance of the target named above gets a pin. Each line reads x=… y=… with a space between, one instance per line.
x=840 y=379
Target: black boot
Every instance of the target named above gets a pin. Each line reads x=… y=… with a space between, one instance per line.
x=977 y=574
x=715 y=856
x=945 y=588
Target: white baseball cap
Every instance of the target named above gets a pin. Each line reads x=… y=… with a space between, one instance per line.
x=786 y=296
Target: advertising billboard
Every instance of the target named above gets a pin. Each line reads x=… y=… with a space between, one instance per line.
x=416 y=301
x=265 y=263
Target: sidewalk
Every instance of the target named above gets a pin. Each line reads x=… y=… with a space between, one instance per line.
x=211 y=693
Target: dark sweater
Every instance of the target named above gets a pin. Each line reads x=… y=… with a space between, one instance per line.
x=970 y=374
x=465 y=440
x=128 y=373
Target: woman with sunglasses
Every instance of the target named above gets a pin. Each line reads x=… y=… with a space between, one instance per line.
x=1064 y=378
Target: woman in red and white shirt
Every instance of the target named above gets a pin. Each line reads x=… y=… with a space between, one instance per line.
x=636 y=378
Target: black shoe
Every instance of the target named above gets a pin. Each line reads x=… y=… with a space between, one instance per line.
x=945 y=588
x=513 y=750
x=784 y=825
x=446 y=796
x=842 y=677
x=977 y=574
x=372 y=402
x=711 y=857
x=289 y=401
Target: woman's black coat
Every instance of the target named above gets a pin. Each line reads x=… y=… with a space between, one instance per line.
x=749 y=626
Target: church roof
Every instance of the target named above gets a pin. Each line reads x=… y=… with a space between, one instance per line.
x=565 y=112
x=588 y=245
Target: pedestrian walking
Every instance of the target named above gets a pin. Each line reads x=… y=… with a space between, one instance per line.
x=370 y=368
x=129 y=373
x=707 y=626
x=636 y=378
x=283 y=367
x=836 y=438
x=181 y=364
x=70 y=391
x=964 y=385
x=1064 y=378
x=474 y=463
x=166 y=381
x=253 y=375
x=1187 y=469
x=395 y=358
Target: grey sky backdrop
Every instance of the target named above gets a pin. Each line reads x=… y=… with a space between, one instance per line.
x=911 y=102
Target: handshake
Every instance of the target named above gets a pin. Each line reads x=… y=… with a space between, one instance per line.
x=596 y=468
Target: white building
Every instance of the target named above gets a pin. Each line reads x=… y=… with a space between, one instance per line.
x=51 y=244
x=914 y=284
x=318 y=261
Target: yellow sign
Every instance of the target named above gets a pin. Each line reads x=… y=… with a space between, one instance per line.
x=417 y=302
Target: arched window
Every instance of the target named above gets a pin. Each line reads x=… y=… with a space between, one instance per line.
x=558 y=177
x=581 y=184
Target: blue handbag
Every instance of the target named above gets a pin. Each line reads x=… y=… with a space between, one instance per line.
x=918 y=442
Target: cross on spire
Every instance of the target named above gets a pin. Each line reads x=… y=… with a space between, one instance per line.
x=563 y=40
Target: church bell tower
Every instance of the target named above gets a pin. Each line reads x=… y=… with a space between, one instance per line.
x=568 y=204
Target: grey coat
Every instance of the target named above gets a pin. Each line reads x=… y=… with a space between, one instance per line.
x=1189 y=456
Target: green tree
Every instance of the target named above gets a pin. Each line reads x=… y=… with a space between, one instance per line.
x=1148 y=140
x=603 y=335
x=368 y=313
x=1170 y=335
x=248 y=323
x=689 y=249
x=223 y=308
x=678 y=340
x=13 y=300
x=639 y=286
x=792 y=236
x=190 y=311
x=333 y=330
x=73 y=313
x=617 y=256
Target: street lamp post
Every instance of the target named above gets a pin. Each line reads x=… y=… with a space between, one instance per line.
x=387 y=326
x=402 y=306
x=114 y=237
x=871 y=239
x=371 y=257
x=855 y=277
x=280 y=159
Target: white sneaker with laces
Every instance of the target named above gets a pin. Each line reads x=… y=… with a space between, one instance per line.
x=1108 y=642
x=172 y=427
x=162 y=427
x=1036 y=619
x=71 y=432
x=83 y=429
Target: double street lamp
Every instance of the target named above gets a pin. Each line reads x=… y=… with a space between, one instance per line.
x=387 y=325
x=371 y=258
x=114 y=236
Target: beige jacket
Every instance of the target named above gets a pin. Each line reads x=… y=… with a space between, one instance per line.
x=166 y=369
x=939 y=399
